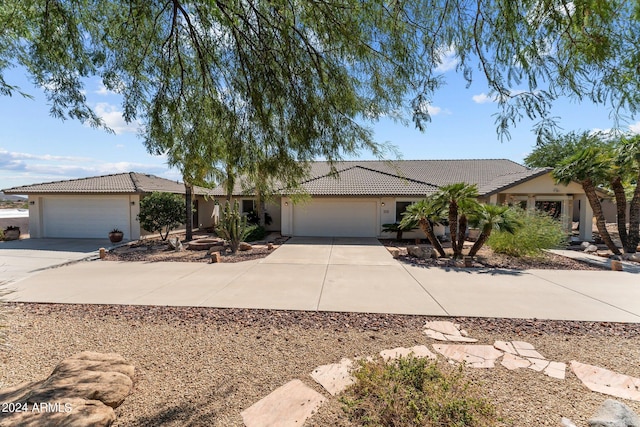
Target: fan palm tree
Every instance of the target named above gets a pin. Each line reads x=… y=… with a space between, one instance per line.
x=590 y=167
x=628 y=155
x=457 y=197
x=426 y=212
x=492 y=217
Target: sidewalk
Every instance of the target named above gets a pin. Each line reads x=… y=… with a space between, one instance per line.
x=389 y=288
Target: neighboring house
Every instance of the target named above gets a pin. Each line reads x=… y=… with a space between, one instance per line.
x=91 y=207
x=354 y=201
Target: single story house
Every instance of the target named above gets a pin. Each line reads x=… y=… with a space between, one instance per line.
x=91 y=207
x=355 y=200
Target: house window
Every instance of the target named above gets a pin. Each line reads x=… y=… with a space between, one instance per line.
x=401 y=207
x=248 y=205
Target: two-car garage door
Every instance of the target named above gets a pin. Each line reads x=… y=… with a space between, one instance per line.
x=85 y=217
x=336 y=217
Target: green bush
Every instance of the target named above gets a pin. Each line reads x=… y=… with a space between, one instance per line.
x=258 y=232
x=162 y=212
x=539 y=231
x=414 y=392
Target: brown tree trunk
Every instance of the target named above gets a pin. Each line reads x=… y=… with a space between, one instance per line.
x=633 y=237
x=453 y=228
x=462 y=231
x=188 y=200
x=590 y=192
x=621 y=210
x=427 y=229
x=482 y=238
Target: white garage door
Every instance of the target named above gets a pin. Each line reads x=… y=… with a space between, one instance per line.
x=85 y=217
x=333 y=217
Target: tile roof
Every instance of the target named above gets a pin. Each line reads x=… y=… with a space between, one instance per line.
x=351 y=178
x=123 y=183
x=408 y=177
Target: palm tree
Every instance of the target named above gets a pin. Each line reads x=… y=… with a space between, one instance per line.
x=590 y=167
x=426 y=212
x=457 y=197
x=628 y=155
x=492 y=217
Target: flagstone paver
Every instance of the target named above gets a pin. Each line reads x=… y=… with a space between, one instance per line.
x=335 y=377
x=446 y=331
x=289 y=405
x=525 y=349
x=513 y=362
x=556 y=370
x=419 y=351
x=606 y=381
x=476 y=356
x=538 y=365
x=505 y=346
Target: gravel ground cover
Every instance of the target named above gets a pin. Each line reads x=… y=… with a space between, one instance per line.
x=203 y=366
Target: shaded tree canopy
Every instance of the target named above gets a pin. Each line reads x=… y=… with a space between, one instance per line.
x=297 y=78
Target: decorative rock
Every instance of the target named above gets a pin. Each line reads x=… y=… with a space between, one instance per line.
x=476 y=356
x=446 y=331
x=175 y=244
x=616 y=265
x=631 y=257
x=591 y=249
x=269 y=246
x=418 y=351
x=585 y=245
x=606 y=381
x=336 y=377
x=420 y=251
x=289 y=405
x=538 y=365
x=92 y=383
x=566 y=422
x=505 y=346
x=614 y=414
x=215 y=258
x=513 y=362
x=205 y=244
x=244 y=246
x=395 y=252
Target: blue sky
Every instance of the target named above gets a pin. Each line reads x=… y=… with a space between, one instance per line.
x=35 y=147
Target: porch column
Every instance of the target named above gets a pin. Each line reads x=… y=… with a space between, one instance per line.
x=531 y=202
x=567 y=209
x=586 y=220
x=493 y=199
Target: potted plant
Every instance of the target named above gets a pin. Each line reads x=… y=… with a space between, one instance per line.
x=12 y=233
x=116 y=235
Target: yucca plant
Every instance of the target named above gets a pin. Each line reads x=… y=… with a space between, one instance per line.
x=233 y=226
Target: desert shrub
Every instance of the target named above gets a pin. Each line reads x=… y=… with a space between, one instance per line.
x=161 y=213
x=539 y=231
x=233 y=226
x=258 y=232
x=414 y=392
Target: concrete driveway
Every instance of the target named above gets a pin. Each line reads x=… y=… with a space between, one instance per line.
x=336 y=274
x=21 y=258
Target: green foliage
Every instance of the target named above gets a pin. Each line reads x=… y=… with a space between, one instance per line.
x=400 y=227
x=161 y=213
x=489 y=218
x=233 y=226
x=257 y=232
x=539 y=231
x=253 y=218
x=413 y=392
x=553 y=151
x=460 y=200
x=427 y=212
x=1 y=234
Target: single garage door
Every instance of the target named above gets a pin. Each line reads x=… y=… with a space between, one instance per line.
x=85 y=217
x=334 y=217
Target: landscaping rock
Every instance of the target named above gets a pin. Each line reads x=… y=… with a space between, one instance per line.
x=418 y=351
x=614 y=414
x=395 y=252
x=631 y=257
x=585 y=245
x=336 y=377
x=81 y=391
x=215 y=258
x=420 y=251
x=244 y=246
x=475 y=356
x=205 y=244
x=175 y=244
x=591 y=249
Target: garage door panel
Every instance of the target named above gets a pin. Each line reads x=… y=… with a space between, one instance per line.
x=336 y=218
x=85 y=217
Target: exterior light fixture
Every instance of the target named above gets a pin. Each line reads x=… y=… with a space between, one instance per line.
x=382 y=203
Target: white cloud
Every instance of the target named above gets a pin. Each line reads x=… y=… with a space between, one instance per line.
x=112 y=117
x=102 y=90
x=635 y=127
x=434 y=111
x=483 y=98
x=448 y=60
